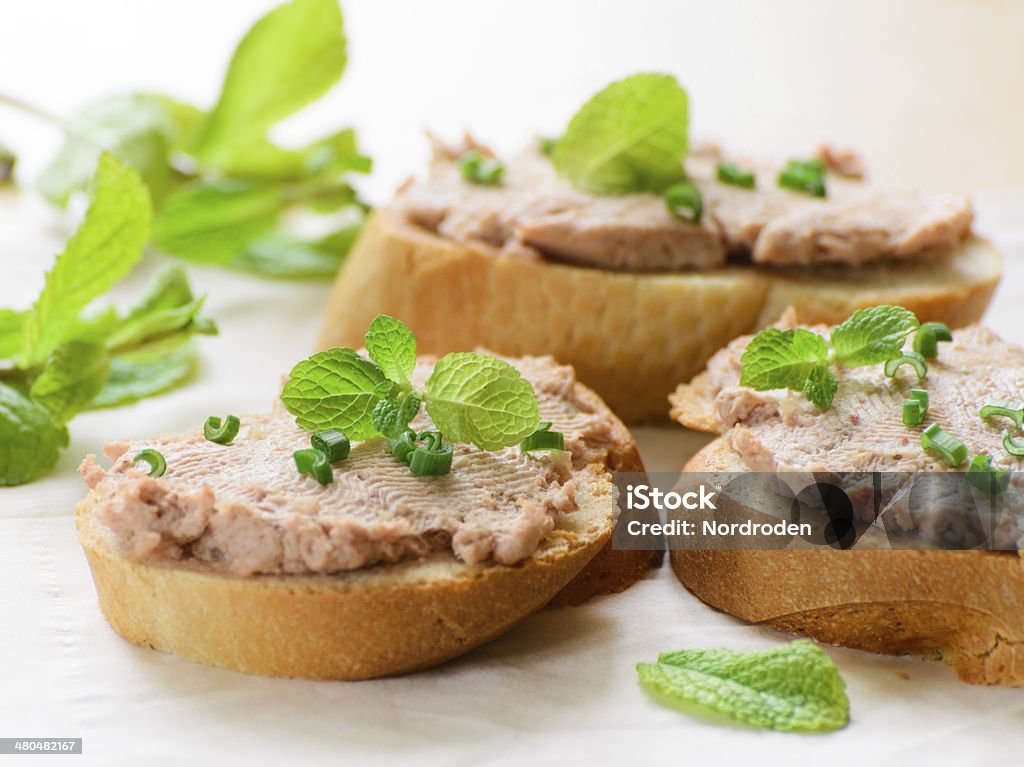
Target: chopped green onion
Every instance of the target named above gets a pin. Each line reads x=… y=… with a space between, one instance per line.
x=913 y=413
x=730 y=173
x=913 y=359
x=332 y=443
x=983 y=476
x=432 y=459
x=1005 y=408
x=920 y=395
x=156 y=461
x=547 y=145
x=952 y=450
x=543 y=439
x=684 y=200
x=926 y=340
x=221 y=433
x=402 y=447
x=480 y=170
x=1012 y=446
x=806 y=176
x=314 y=462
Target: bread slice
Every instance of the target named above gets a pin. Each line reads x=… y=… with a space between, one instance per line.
x=630 y=336
x=965 y=607
x=378 y=621
x=367 y=623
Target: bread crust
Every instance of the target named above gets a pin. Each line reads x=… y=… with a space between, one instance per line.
x=631 y=336
x=965 y=607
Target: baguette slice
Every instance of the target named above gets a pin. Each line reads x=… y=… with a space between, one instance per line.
x=965 y=607
x=630 y=336
x=378 y=621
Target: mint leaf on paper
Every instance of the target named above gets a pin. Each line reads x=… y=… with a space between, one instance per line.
x=140 y=129
x=782 y=359
x=210 y=222
x=335 y=389
x=393 y=347
x=482 y=400
x=150 y=369
x=872 y=335
x=30 y=440
x=289 y=58
x=795 y=687
x=105 y=247
x=630 y=137
x=167 y=308
x=71 y=378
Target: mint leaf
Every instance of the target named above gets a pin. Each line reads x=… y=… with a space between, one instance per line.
x=139 y=129
x=482 y=400
x=284 y=255
x=12 y=329
x=794 y=687
x=105 y=247
x=821 y=386
x=872 y=335
x=630 y=137
x=30 y=441
x=147 y=370
x=393 y=347
x=391 y=415
x=335 y=389
x=290 y=57
x=782 y=359
x=72 y=377
x=210 y=222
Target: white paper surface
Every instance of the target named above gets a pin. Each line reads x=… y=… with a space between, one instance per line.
x=560 y=687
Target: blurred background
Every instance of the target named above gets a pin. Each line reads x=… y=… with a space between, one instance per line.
x=928 y=90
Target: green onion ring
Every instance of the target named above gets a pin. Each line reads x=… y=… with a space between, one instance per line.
x=913 y=413
x=314 y=462
x=983 y=476
x=221 y=433
x=332 y=443
x=913 y=359
x=1005 y=408
x=432 y=459
x=1012 y=446
x=952 y=450
x=684 y=201
x=731 y=173
x=927 y=337
x=157 y=463
x=543 y=439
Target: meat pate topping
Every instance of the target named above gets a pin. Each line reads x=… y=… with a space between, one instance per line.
x=534 y=212
x=244 y=508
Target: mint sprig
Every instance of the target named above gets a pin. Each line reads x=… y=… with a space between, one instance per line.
x=630 y=137
x=470 y=397
x=791 y=688
x=801 y=360
x=224 y=193
x=63 y=359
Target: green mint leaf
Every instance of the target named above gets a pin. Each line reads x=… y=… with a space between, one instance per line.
x=147 y=370
x=393 y=347
x=481 y=400
x=73 y=375
x=289 y=58
x=323 y=159
x=284 y=255
x=391 y=416
x=211 y=222
x=782 y=359
x=12 y=330
x=140 y=129
x=30 y=441
x=335 y=389
x=630 y=137
x=821 y=386
x=105 y=247
x=792 y=688
x=872 y=335
x=7 y=162
x=167 y=308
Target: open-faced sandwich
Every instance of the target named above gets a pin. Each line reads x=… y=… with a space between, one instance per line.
x=396 y=512
x=600 y=249
x=862 y=397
